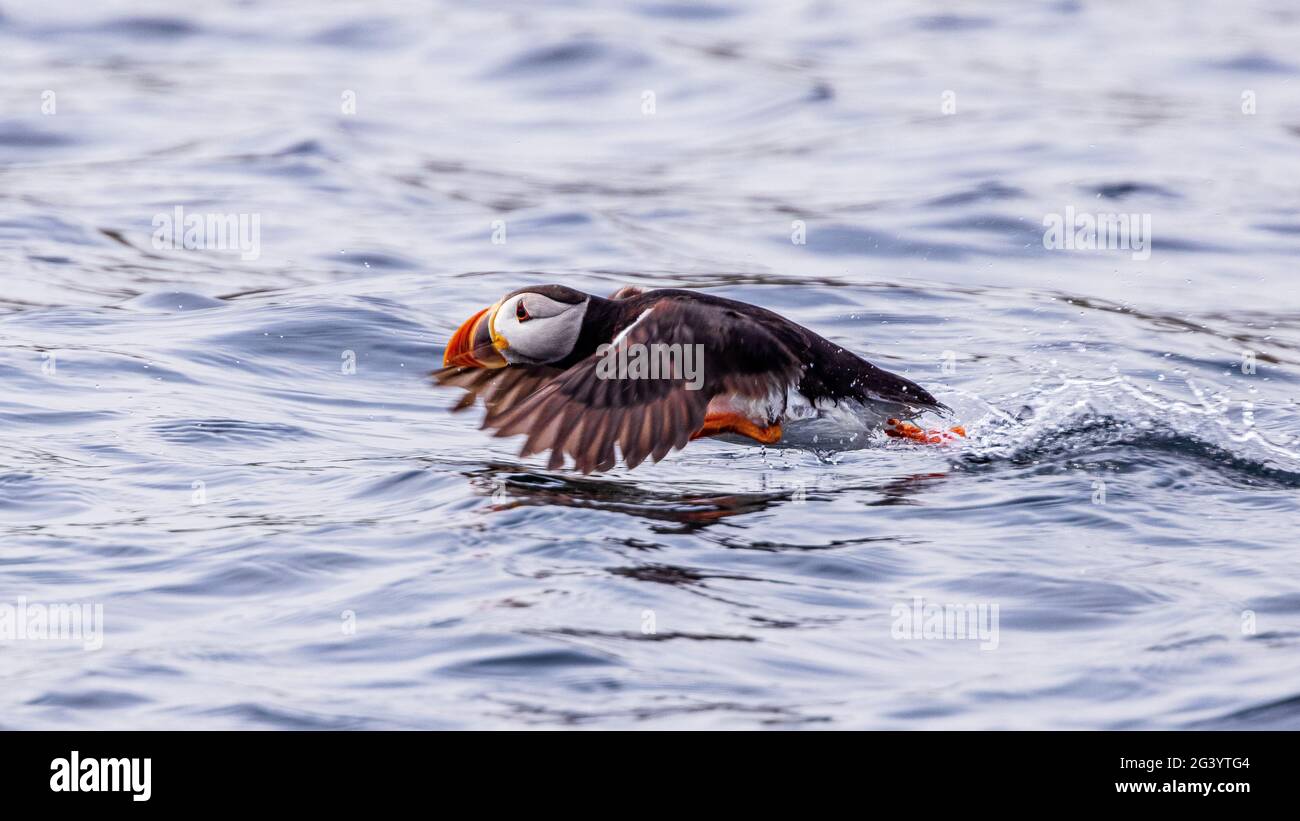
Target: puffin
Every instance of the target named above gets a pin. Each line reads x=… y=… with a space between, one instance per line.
x=649 y=371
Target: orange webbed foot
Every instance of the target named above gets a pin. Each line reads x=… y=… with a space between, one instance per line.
x=899 y=429
x=719 y=423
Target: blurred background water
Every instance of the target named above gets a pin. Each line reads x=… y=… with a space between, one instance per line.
x=278 y=542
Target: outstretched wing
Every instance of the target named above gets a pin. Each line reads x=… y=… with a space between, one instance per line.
x=607 y=400
x=498 y=389
x=627 y=292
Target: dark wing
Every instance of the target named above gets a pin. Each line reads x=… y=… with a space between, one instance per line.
x=835 y=373
x=498 y=389
x=594 y=405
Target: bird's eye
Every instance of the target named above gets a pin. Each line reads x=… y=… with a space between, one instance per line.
x=521 y=313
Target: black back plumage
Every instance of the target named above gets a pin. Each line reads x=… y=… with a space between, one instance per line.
x=830 y=371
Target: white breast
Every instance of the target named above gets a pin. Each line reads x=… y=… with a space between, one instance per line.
x=805 y=424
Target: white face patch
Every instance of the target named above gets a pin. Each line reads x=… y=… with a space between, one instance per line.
x=543 y=330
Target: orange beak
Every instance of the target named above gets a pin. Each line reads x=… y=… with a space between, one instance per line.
x=471 y=346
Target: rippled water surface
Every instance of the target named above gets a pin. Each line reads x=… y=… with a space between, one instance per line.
x=278 y=542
